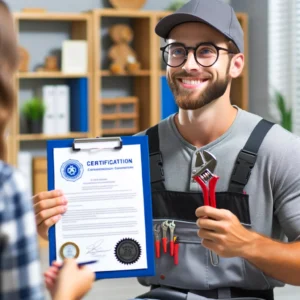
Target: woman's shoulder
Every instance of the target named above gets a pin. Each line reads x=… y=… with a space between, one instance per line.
x=14 y=196
x=11 y=180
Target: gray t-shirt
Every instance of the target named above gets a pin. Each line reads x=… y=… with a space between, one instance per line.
x=274 y=184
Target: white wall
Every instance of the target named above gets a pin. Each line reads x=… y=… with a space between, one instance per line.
x=257 y=11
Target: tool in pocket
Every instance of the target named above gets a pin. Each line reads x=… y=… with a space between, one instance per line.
x=157 y=240
x=172 y=229
x=205 y=166
x=164 y=227
x=176 y=250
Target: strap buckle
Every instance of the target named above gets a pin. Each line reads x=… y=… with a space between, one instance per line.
x=243 y=167
x=156 y=167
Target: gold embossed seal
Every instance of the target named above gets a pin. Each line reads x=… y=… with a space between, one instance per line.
x=69 y=250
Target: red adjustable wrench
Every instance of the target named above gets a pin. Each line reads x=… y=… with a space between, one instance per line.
x=205 y=165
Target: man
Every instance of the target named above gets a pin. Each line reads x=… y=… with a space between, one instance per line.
x=204 y=53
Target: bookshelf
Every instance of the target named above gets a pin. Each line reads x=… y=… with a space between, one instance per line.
x=77 y=26
x=143 y=83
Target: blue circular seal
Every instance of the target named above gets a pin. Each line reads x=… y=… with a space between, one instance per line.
x=71 y=170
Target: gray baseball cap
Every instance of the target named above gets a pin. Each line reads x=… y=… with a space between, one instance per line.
x=215 y=13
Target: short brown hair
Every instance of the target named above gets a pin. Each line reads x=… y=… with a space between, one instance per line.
x=232 y=47
x=8 y=65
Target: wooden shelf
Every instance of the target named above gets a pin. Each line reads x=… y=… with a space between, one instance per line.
x=138 y=73
x=162 y=73
x=42 y=137
x=162 y=14
x=126 y=13
x=119 y=100
x=79 y=27
x=51 y=16
x=119 y=116
x=33 y=75
x=119 y=131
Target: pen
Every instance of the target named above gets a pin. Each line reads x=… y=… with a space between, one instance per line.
x=87 y=263
x=84 y=263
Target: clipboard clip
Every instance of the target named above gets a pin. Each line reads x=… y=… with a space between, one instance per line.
x=97 y=143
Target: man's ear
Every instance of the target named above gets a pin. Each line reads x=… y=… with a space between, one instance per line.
x=237 y=65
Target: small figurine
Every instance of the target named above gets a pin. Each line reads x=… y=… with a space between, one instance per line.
x=24 y=60
x=51 y=65
x=123 y=57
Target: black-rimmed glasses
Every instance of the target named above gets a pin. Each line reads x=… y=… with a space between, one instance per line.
x=206 y=54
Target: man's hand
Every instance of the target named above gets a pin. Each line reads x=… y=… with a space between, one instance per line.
x=48 y=208
x=222 y=232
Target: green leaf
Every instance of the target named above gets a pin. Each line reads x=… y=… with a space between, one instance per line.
x=288 y=121
x=280 y=103
x=34 y=109
x=286 y=115
x=176 y=5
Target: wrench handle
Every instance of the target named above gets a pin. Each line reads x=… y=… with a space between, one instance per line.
x=176 y=253
x=212 y=190
x=164 y=241
x=204 y=189
x=172 y=248
x=157 y=249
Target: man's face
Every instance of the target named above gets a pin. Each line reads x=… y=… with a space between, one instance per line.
x=195 y=86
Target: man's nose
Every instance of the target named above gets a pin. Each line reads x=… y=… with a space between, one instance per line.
x=191 y=64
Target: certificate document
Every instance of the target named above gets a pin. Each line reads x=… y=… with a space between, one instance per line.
x=107 y=218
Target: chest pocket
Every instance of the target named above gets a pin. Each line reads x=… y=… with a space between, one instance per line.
x=182 y=206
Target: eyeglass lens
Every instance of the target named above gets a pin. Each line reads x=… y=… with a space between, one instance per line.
x=175 y=54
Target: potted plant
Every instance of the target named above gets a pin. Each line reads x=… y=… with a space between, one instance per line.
x=286 y=113
x=176 y=5
x=33 y=111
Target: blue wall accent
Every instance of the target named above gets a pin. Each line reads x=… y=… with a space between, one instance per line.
x=168 y=105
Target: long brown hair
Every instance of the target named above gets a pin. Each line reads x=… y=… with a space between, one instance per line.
x=8 y=65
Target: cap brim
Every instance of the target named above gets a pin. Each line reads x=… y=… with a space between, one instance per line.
x=164 y=27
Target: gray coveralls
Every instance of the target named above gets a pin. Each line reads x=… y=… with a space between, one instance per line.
x=204 y=279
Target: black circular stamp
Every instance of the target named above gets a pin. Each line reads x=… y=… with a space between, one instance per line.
x=128 y=251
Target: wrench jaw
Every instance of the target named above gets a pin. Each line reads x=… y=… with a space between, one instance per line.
x=172 y=229
x=205 y=161
x=165 y=227
x=157 y=232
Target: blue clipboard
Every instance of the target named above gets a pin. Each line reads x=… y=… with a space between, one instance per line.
x=126 y=140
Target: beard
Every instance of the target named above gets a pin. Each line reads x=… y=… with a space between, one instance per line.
x=187 y=101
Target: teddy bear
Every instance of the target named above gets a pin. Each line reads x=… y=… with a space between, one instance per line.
x=24 y=59
x=123 y=57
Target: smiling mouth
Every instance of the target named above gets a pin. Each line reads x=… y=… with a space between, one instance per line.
x=191 y=83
